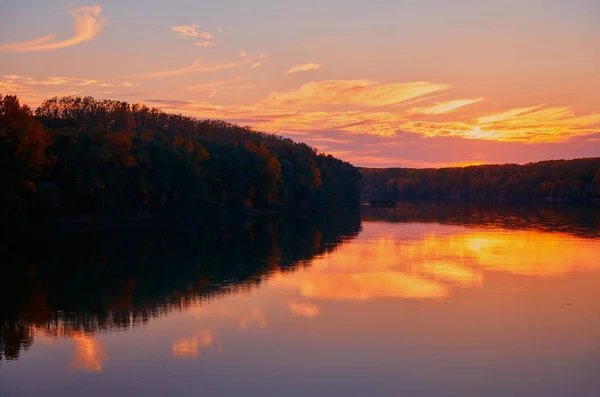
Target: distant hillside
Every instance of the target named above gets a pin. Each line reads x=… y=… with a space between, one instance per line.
x=83 y=157
x=554 y=181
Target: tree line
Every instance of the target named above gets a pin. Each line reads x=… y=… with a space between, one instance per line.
x=78 y=156
x=570 y=181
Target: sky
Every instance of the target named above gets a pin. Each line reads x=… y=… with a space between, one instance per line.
x=407 y=83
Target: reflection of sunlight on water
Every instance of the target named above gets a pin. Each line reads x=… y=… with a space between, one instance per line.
x=401 y=262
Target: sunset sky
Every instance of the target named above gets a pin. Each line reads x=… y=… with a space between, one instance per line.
x=409 y=83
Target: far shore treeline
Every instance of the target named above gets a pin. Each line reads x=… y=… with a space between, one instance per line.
x=80 y=157
x=557 y=181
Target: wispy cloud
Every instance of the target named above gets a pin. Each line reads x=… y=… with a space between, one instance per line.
x=214 y=84
x=11 y=87
x=69 y=81
x=532 y=124
x=197 y=67
x=323 y=107
x=446 y=107
x=27 y=94
x=330 y=140
x=191 y=32
x=257 y=65
x=205 y=44
x=88 y=25
x=220 y=85
x=243 y=54
x=327 y=110
x=200 y=67
x=303 y=68
x=353 y=92
x=492 y=118
x=185 y=31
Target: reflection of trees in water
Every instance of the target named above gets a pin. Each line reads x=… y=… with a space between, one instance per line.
x=575 y=220
x=81 y=284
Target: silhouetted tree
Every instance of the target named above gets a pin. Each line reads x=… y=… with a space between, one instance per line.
x=559 y=180
x=112 y=157
x=23 y=142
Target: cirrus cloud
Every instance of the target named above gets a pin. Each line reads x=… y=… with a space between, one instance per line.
x=306 y=67
x=88 y=25
x=185 y=30
x=446 y=107
x=199 y=66
x=68 y=81
x=364 y=92
x=191 y=32
x=205 y=44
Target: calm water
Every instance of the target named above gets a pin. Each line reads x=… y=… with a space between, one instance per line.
x=412 y=301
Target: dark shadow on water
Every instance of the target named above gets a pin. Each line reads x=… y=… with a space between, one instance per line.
x=582 y=221
x=99 y=282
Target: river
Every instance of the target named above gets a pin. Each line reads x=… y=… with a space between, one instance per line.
x=417 y=300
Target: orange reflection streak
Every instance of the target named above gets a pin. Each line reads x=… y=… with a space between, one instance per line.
x=185 y=348
x=256 y=317
x=532 y=253
x=303 y=309
x=431 y=265
x=89 y=354
x=190 y=347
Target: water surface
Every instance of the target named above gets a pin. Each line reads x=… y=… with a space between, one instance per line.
x=411 y=301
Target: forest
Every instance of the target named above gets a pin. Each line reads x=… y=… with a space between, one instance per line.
x=77 y=157
x=560 y=181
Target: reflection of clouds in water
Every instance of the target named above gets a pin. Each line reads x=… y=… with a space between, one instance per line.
x=190 y=347
x=303 y=309
x=255 y=318
x=426 y=265
x=364 y=286
x=247 y=319
x=533 y=253
x=89 y=354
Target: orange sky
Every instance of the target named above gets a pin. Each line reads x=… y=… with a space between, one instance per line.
x=406 y=83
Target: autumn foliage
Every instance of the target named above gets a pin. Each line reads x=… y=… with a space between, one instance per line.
x=80 y=156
